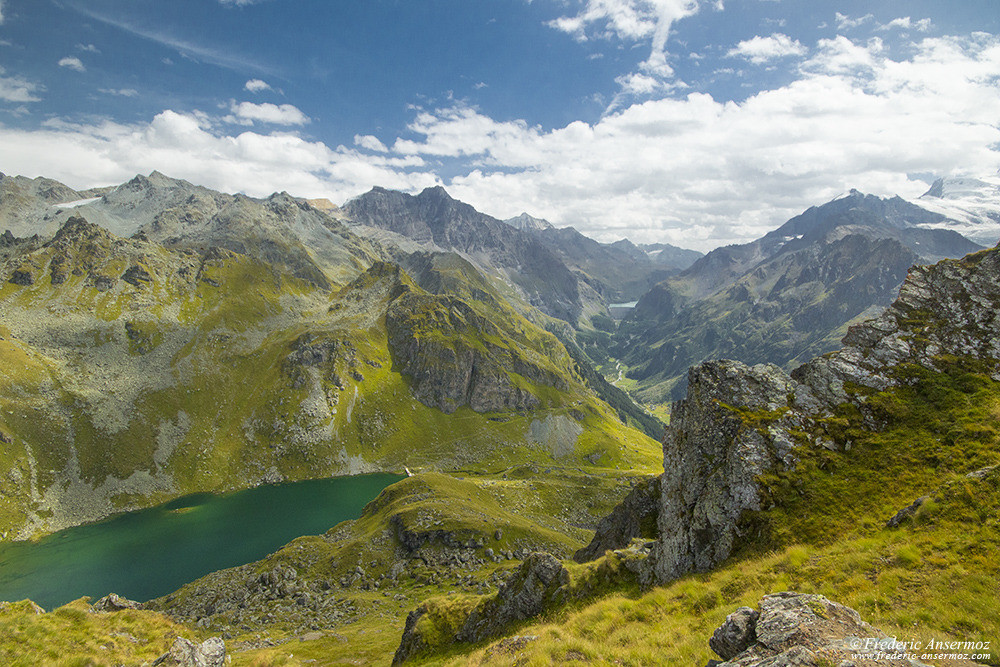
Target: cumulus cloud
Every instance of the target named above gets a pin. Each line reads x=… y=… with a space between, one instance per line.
x=248 y=113
x=72 y=63
x=256 y=86
x=699 y=172
x=760 y=50
x=180 y=145
x=845 y=22
x=905 y=23
x=18 y=89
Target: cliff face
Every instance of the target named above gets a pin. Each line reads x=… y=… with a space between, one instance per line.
x=738 y=423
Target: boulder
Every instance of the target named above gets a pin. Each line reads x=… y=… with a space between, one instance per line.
x=798 y=629
x=185 y=653
x=736 y=635
x=113 y=602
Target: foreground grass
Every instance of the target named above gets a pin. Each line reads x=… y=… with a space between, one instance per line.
x=935 y=579
x=72 y=635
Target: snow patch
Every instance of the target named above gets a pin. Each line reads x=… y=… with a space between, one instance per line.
x=78 y=202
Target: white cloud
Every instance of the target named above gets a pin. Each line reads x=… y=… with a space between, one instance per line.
x=632 y=20
x=699 y=172
x=18 y=89
x=72 y=63
x=90 y=48
x=906 y=23
x=693 y=171
x=239 y=3
x=256 y=86
x=845 y=22
x=369 y=142
x=763 y=49
x=248 y=113
x=1 y=12
x=181 y=146
x=120 y=92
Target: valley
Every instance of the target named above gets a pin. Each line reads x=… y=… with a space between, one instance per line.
x=160 y=339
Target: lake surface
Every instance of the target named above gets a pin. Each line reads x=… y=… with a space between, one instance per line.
x=149 y=553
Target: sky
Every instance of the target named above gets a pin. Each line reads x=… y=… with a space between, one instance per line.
x=693 y=122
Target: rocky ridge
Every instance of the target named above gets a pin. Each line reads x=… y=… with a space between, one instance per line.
x=739 y=422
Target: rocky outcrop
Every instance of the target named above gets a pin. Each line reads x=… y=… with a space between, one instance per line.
x=455 y=356
x=636 y=516
x=185 y=653
x=949 y=308
x=523 y=595
x=526 y=593
x=795 y=629
x=732 y=427
x=739 y=422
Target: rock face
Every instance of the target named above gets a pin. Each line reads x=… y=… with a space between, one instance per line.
x=796 y=629
x=185 y=653
x=713 y=452
x=524 y=594
x=738 y=422
x=434 y=220
x=449 y=373
x=636 y=516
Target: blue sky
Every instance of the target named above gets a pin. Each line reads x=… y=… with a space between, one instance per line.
x=698 y=122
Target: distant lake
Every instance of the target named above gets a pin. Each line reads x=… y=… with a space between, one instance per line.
x=148 y=553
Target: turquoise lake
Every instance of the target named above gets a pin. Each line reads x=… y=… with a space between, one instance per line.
x=151 y=552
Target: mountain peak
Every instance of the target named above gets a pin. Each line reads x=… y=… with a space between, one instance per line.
x=437 y=192
x=528 y=223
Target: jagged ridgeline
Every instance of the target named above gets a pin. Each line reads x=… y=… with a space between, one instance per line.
x=786 y=297
x=160 y=338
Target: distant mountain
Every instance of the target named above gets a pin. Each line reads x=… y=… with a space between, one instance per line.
x=527 y=223
x=228 y=341
x=619 y=271
x=970 y=206
x=786 y=297
x=433 y=220
x=280 y=230
x=670 y=255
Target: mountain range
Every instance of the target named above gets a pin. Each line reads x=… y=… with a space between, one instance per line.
x=785 y=297
x=158 y=338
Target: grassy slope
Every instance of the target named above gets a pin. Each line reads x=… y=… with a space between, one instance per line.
x=74 y=636
x=195 y=391
x=932 y=578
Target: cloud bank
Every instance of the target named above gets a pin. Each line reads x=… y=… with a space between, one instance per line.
x=690 y=170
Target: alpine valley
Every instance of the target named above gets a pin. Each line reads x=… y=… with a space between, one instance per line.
x=828 y=469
